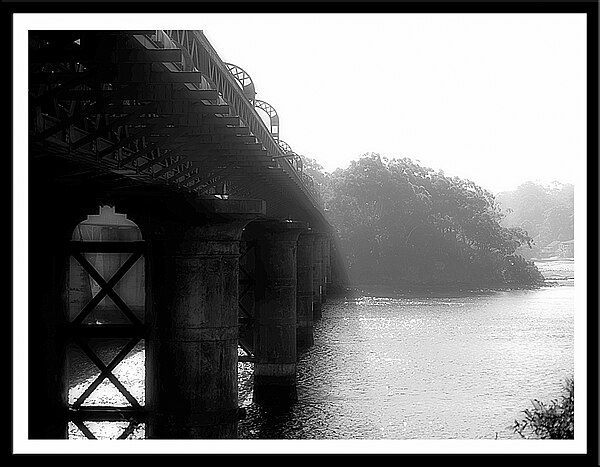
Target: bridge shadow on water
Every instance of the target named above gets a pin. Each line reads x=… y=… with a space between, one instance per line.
x=298 y=420
x=266 y=423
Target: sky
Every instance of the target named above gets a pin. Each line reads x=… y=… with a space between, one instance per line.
x=498 y=99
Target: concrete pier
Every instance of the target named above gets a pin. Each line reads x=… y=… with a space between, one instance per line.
x=275 y=311
x=191 y=356
x=304 y=292
x=326 y=252
x=48 y=318
x=51 y=226
x=318 y=275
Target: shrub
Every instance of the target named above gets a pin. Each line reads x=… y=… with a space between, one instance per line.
x=552 y=421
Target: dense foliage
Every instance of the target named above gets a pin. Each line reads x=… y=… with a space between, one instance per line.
x=546 y=212
x=550 y=421
x=404 y=224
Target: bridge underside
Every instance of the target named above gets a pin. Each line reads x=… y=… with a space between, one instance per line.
x=153 y=108
x=235 y=245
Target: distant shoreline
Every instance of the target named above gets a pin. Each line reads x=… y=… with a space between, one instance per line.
x=561 y=269
x=549 y=260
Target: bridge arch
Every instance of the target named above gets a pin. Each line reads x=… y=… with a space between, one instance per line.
x=104 y=227
x=295 y=159
x=287 y=149
x=272 y=114
x=106 y=315
x=244 y=80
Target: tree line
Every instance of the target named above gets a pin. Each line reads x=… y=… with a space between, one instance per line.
x=545 y=212
x=403 y=224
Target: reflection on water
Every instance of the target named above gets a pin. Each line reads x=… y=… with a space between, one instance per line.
x=400 y=366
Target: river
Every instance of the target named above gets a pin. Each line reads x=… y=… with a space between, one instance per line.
x=388 y=365
x=391 y=365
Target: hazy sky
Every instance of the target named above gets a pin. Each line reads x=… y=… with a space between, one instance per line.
x=495 y=98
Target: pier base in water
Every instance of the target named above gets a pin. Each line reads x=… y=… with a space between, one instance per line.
x=275 y=385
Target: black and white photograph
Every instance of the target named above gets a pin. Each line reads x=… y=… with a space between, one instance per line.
x=304 y=233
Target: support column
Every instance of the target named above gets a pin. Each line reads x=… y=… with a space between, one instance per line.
x=51 y=223
x=327 y=263
x=304 y=292
x=47 y=339
x=275 y=311
x=191 y=357
x=325 y=266
x=246 y=296
x=317 y=276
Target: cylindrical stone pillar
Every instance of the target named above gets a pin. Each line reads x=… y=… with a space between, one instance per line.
x=327 y=260
x=325 y=266
x=304 y=292
x=275 y=311
x=317 y=276
x=246 y=296
x=191 y=356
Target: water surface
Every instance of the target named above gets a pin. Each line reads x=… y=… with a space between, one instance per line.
x=442 y=366
x=393 y=365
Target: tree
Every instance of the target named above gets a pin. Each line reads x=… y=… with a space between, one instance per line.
x=546 y=213
x=400 y=222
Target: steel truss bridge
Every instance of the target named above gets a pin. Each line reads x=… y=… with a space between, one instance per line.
x=156 y=121
x=161 y=107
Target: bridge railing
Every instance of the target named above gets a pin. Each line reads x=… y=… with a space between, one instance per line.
x=201 y=56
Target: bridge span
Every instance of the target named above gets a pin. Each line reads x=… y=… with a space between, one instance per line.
x=219 y=249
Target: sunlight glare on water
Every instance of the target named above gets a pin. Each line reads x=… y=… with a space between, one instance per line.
x=131 y=373
x=448 y=367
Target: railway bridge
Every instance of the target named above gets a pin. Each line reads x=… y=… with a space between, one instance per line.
x=164 y=210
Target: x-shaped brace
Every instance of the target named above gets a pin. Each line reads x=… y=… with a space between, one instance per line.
x=106 y=288
x=106 y=372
